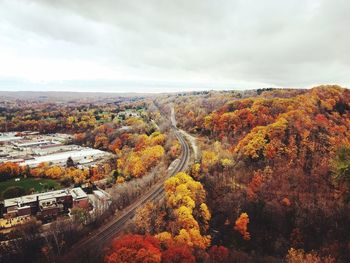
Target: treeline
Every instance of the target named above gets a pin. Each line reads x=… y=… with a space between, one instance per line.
x=57 y=117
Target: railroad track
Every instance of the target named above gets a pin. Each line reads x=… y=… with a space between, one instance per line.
x=109 y=231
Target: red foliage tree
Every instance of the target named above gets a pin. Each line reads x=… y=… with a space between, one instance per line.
x=178 y=254
x=135 y=249
x=218 y=254
x=254 y=185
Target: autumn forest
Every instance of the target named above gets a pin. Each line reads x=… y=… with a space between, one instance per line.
x=266 y=177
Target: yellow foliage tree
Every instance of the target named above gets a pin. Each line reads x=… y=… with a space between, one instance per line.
x=209 y=159
x=54 y=172
x=183 y=196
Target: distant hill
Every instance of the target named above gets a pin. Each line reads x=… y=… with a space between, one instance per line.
x=49 y=95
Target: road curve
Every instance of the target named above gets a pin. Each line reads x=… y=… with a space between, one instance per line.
x=107 y=232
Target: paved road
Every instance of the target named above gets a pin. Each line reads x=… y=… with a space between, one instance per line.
x=172 y=116
x=105 y=234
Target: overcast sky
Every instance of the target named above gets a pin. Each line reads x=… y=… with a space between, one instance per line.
x=153 y=46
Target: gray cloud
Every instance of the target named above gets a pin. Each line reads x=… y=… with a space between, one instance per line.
x=223 y=44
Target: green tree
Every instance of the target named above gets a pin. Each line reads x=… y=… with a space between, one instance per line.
x=341 y=167
x=80 y=215
x=13 y=191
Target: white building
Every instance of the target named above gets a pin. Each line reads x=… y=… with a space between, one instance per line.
x=82 y=155
x=9 y=137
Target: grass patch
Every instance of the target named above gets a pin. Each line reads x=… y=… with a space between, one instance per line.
x=38 y=184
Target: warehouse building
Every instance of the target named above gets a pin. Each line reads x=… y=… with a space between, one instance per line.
x=79 y=156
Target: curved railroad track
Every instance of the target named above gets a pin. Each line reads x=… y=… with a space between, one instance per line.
x=109 y=231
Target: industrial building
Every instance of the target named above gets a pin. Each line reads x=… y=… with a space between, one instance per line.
x=45 y=205
x=80 y=156
x=31 y=149
x=8 y=137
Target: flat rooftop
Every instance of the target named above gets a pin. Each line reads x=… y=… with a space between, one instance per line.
x=32 y=143
x=9 y=138
x=32 y=198
x=77 y=193
x=58 y=157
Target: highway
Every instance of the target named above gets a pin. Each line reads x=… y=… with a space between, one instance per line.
x=106 y=233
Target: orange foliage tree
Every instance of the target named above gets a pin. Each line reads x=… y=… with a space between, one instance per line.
x=241 y=225
x=300 y=256
x=8 y=170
